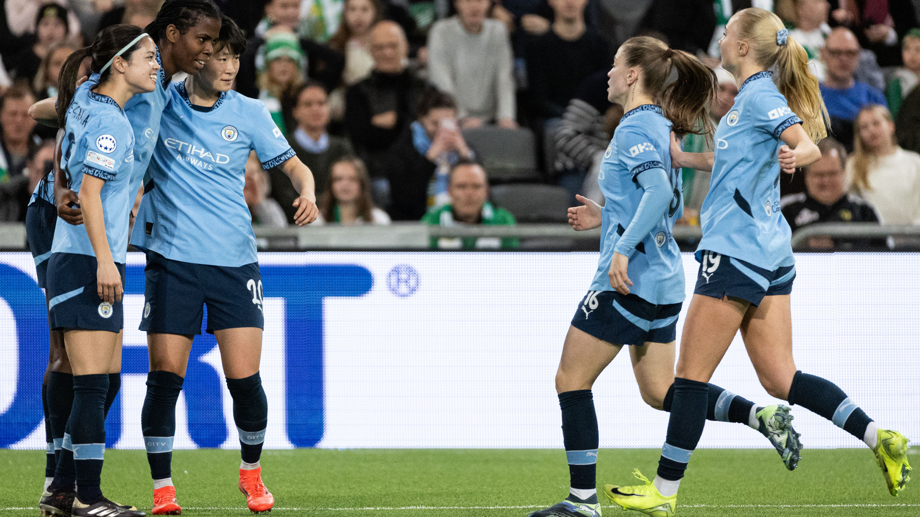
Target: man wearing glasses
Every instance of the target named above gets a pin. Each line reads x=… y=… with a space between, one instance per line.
x=843 y=94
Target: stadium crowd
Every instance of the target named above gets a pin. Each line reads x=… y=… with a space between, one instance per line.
x=382 y=99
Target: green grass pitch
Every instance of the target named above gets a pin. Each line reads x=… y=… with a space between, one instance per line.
x=488 y=483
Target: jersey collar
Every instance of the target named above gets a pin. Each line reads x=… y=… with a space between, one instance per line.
x=758 y=75
x=645 y=107
x=105 y=99
x=184 y=94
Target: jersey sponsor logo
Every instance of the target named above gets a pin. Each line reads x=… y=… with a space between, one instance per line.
x=276 y=132
x=721 y=144
x=106 y=144
x=590 y=302
x=105 y=310
x=98 y=159
x=130 y=157
x=229 y=133
x=732 y=117
x=710 y=264
x=197 y=156
x=641 y=148
x=779 y=112
x=660 y=239
x=149 y=133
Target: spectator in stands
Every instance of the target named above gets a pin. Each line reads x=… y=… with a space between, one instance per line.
x=130 y=12
x=482 y=85
x=283 y=16
x=353 y=39
x=582 y=133
x=907 y=128
x=284 y=63
x=811 y=30
x=843 y=95
x=826 y=200
x=418 y=163
x=468 y=188
x=561 y=59
x=265 y=211
x=21 y=15
x=347 y=197
x=45 y=83
x=15 y=193
x=380 y=108
x=878 y=25
x=16 y=129
x=688 y=24
x=51 y=26
x=315 y=147
x=881 y=172
x=903 y=80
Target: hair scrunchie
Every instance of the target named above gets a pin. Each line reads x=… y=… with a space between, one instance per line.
x=781 y=36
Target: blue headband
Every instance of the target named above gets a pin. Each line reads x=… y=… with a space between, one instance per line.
x=120 y=52
x=781 y=36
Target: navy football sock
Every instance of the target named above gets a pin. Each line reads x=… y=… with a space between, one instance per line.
x=87 y=425
x=60 y=400
x=250 y=412
x=823 y=397
x=158 y=421
x=688 y=417
x=50 y=461
x=580 y=436
x=723 y=405
x=114 y=386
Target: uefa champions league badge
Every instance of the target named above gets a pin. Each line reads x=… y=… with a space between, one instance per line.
x=229 y=133
x=106 y=144
x=732 y=118
x=105 y=310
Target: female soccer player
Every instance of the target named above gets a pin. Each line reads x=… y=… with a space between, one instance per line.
x=196 y=229
x=636 y=295
x=85 y=279
x=747 y=266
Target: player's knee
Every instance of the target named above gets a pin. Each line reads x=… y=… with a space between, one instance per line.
x=567 y=381
x=776 y=385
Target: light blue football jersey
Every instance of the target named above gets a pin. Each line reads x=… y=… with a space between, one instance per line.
x=194 y=210
x=144 y=111
x=44 y=189
x=99 y=141
x=741 y=214
x=641 y=142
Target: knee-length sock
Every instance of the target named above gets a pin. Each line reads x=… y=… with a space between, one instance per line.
x=250 y=412
x=87 y=433
x=158 y=423
x=825 y=398
x=688 y=417
x=580 y=436
x=723 y=406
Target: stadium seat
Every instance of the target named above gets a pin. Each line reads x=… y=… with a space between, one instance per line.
x=533 y=203
x=508 y=155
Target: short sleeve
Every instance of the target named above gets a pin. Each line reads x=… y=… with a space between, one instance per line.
x=773 y=115
x=637 y=153
x=268 y=141
x=107 y=150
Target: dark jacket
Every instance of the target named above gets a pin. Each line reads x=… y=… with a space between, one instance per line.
x=802 y=210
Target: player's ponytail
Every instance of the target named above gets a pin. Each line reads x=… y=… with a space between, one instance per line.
x=686 y=101
x=183 y=14
x=772 y=45
x=107 y=44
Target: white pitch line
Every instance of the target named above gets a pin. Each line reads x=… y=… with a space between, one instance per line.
x=407 y=508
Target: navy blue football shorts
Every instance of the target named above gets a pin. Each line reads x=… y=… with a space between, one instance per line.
x=41 y=217
x=73 y=300
x=626 y=320
x=176 y=293
x=721 y=275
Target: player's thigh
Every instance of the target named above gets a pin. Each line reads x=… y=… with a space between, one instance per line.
x=57 y=353
x=653 y=366
x=115 y=363
x=240 y=351
x=709 y=329
x=767 y=334
x=169 y=352
x=90 y=351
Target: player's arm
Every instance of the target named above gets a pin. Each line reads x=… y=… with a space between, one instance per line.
x=63 y=196
x=44 y=112
x=302 y=179
x=680 y=159
x=799 y=150
x=108 y=279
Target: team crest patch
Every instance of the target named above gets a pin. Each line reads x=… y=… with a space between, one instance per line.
x=147 y=310
x=106 y=144
x=732 y=118
x=229 y=133
x=660 y=239
x=105 y=310
x=608 y=152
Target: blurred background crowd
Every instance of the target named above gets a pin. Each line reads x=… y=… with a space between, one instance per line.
x=495 y=111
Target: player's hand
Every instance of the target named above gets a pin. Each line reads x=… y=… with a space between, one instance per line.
x=618 y=279
x=534 y=24
x=585 y=217
x=786 y=159
x=64 y=198
x=677 y=153
x=108 y=282
x=306 y=211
